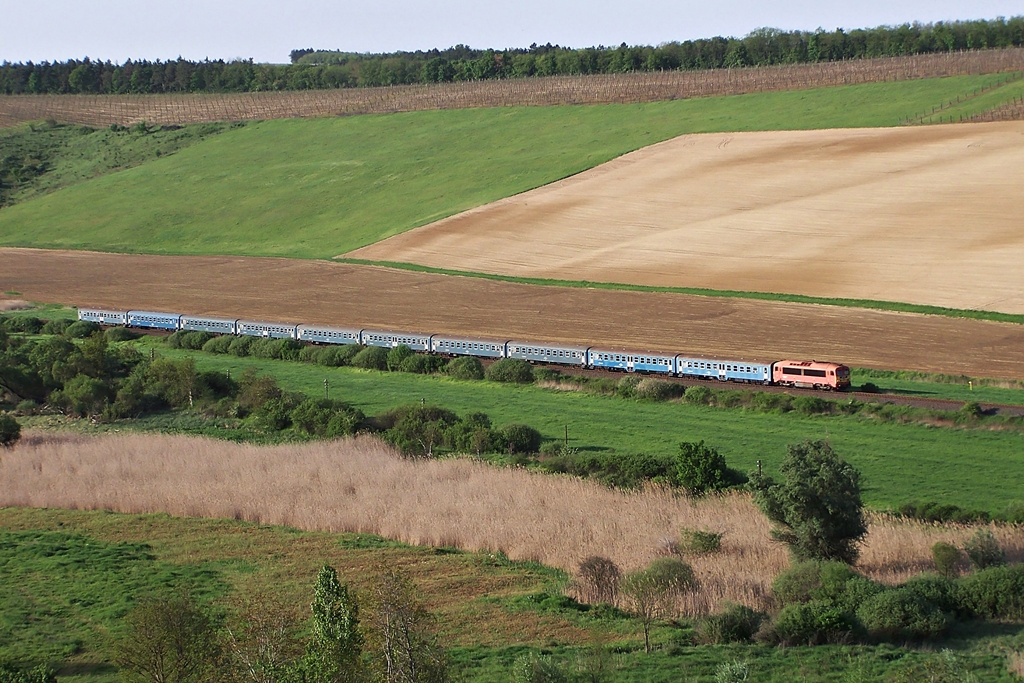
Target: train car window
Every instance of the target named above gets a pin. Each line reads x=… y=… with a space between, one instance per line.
x=813 y=372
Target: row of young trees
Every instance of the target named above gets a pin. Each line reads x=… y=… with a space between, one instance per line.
x=313 y=69
x=383 y=635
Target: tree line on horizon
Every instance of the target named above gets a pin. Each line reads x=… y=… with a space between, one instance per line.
x=319 y=69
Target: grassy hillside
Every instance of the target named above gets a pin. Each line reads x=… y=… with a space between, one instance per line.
x=316 y=189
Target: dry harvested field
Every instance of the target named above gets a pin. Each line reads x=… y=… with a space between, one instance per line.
x=927 y=215
x=324 y=292
x=362 y=485
x=177 y=109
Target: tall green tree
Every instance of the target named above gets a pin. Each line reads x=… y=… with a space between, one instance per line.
x=333 y=654
x=816 y=507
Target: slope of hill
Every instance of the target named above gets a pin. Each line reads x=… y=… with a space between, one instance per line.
x=315 y=189
x=925 y=215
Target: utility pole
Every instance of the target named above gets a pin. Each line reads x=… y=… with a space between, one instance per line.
x=327 y=389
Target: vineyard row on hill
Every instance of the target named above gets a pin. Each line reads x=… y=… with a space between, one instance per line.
x=179 y=109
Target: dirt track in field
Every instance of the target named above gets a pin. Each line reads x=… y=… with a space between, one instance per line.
x=323 y=292
x=929 y=215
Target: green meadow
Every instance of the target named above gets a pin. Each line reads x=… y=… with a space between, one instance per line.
x=320 y=188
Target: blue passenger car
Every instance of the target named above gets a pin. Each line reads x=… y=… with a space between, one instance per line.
x=268 y=330
x=723 y=370
x=466 y=346
x=103 y=317
x=390 y=339
x=215 y=325
x=539 y=352
x=154 y=320
x=324 y=334
x=631 y=361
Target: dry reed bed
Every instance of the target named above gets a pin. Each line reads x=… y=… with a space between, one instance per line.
x=361 y=485
x=13 y=305
x=177 y=109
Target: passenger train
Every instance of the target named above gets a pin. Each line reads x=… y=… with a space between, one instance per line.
x=793 y=373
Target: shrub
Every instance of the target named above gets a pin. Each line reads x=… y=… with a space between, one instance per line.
x=869 y=388
x=263 y=348
x=29 y=324
x=812 y=405
x=240 y=346
x=735 y=624
x=59 y=326
x=417 y=429
x=195 y=339
x=546 y=374
x=833 y=582
x=118 y=334
x=941 y=512
x=337 y=356
x=945 y=556
x=817 y=622
x=27 y=407
x=697 y=542
x=899 y=615
x=254 y=390
x=219 y=344
x=732 y=672
x=971 y=410
x=465 y=367
x=274 y=414
x=983 y=550
x=938 y=590
x=654 y=389
x=698 y=395
x=10 y=431
x=534 y=668
x=520 y=438
x=771 y=402
x=422 y=364
x=514 y=370
x=82 y=396
x=598 y=580
x=626 y=387
x=993 y=593
x=371 y=358
x=81 y=329
x=324 y=417
x=397 y=355
x=700 y=469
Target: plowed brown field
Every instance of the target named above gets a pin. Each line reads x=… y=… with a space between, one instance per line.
x=316 y=291
x=928 y=215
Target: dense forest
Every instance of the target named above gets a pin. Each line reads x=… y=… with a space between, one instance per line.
x=313 y=69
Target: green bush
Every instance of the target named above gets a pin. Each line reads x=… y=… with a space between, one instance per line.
x=898 y=615
x=771 y=402
x=701 y=469
x=27 y=407
x=118 y=334
x=335 y=356
x=818 y=622
x=869 y=388
x=698 y=395
x=697 y=542
x=514 y=370
x=60 y=325
x=993 y=593
x=983 y=550
x=417 y=430
x=817 y=580
x=626 y=387
x=941 y=512
x=80 y=329
x=10 y=431
x=653 y=389
x=240 y=346
x=465 y=367
x=938 y=590
x=397 y=355
x=195 y=339
x=422 y=364
x=264 y=348
x=325 y=417
x=534 y=668
x=371 y=358
x=29 y=324
x=734 y=624
x=219 y=344
x=520 y=438
x=812 y=405
x=546 y=374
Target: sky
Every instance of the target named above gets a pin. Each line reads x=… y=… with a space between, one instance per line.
x=117 y=30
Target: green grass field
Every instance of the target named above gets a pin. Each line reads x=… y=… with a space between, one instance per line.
x=973 y=468
x=319 y=188
x=78 y=573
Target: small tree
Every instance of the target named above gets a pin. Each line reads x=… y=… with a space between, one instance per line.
x=169 y=640
x=10 y=431
x=333 y=654
x=598 y=579
x=817 y=506
x=945 y=556
x=652 y=592
x=983 y=550
x=400 y=633
x=701 y=468
x=261 y=639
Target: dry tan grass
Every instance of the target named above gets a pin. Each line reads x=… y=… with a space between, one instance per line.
x=361 y=485
x=14 y=305
x=1015 y=664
